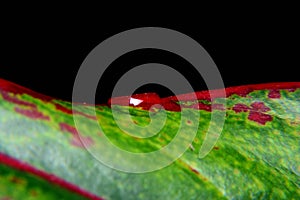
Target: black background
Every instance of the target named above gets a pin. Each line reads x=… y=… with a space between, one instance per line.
x=44 y=53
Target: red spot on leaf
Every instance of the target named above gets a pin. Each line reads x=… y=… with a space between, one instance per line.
x=259 y=106
x=189 y=121
x=274 y=94
x=240 y=108
x=216 y=148
x=256 y=112
x=256 y=106
x=33 y=113
x=194 y=170
x=259 y=117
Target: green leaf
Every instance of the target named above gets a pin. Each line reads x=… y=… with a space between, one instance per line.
x=257 y=155
x=21 y=181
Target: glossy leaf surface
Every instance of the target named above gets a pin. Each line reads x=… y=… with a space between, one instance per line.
x=256 y=157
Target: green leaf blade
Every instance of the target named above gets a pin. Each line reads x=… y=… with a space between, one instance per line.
x=254 y=158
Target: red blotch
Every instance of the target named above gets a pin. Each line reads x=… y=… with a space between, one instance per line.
x=216 y=148
x=259 y=117
x=256 y=112
x=77 y=139
x=34 y=114
x=15 y=100
x=194 y=170
x=68 y=128
x=240 y=108
x=259 y=106
x=274 y=94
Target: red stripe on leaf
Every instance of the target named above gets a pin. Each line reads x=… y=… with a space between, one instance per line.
x=22 y=166
x=77 y=139
x=32 y=113
x=17 y=89
x=15 y=100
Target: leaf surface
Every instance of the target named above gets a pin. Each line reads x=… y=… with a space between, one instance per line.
x=256 y=157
